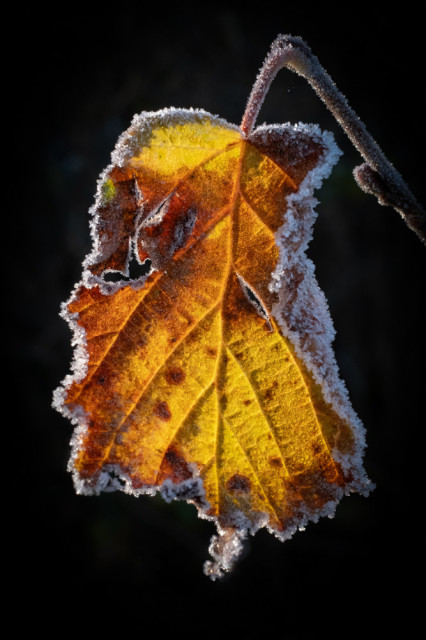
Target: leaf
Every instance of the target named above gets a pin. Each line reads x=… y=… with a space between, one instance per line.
x=211 y=378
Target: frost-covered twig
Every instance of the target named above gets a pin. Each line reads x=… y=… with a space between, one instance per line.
x=377 y=175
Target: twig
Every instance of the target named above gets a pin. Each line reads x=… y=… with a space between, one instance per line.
x=377 y=175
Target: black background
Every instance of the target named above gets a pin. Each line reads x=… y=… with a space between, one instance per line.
x=137 y=563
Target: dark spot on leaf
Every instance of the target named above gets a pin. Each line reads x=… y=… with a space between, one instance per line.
x=162 y=411
x=247 y=402
x=269 y=393
x=175 y=466
x=211 y=352
x=276 y=462
x=238 y=484
x=175 y=375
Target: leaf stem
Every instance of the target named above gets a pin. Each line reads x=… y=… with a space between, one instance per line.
x=377 y=175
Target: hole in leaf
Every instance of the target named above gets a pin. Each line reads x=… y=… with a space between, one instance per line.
x=255 y=300
x=136 y=271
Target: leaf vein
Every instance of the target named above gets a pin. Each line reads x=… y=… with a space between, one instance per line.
x=259 y=404
x=250 y=206
x=136 y=402
x=126 y=320
x=180 y=425
x=254 y=471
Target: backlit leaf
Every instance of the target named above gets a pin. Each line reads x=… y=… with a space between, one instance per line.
x=212 y=377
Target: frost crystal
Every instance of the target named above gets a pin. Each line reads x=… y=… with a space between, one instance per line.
x=225 y=550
